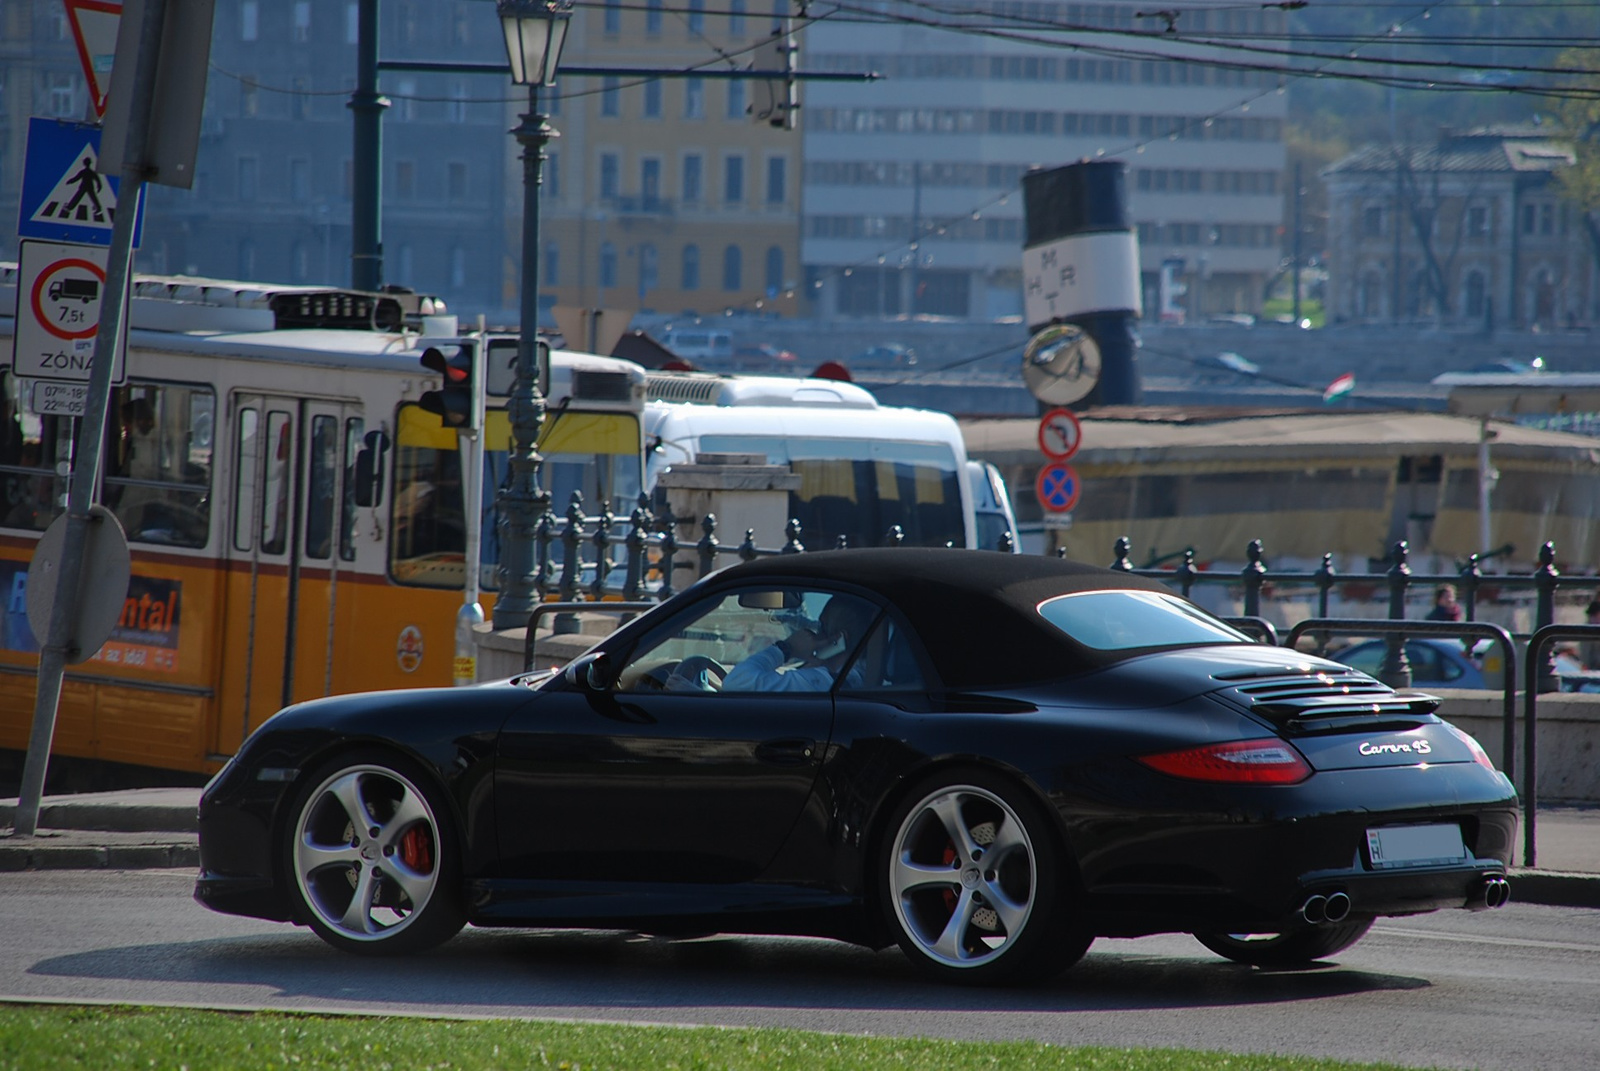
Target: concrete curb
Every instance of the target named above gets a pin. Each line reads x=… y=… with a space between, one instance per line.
x=1553 y=888
x=47 y=852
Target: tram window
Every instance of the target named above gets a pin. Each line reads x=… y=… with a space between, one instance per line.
x=428 y=534
x=275 y=496
x=31 y=492
x=323 y=473
x=244 y=491
x=353 y=429
x=158 y=465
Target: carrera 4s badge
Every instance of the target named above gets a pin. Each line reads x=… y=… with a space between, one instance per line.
x=1416 y=747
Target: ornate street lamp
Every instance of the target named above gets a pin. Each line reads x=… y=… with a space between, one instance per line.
x=535 y=31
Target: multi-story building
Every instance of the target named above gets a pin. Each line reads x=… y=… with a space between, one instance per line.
x=1471 y=231
x=912 y=184
x=274 y=180
x=668 y=192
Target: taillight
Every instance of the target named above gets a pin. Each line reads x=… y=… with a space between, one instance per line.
x=1479 y=756
x=1251 y=762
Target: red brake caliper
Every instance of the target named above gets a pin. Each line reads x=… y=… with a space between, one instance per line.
x=416 y=850
x=949 y=895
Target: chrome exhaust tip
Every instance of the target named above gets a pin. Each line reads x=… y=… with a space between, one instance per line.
x=1315 y=910
x=1337 y=907
x=1496 y=892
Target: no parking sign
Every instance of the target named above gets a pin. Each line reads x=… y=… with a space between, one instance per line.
x=1057 y=487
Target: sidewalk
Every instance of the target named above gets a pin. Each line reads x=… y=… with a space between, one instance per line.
x=156 y=827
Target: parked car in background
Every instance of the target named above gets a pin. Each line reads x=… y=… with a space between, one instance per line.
x=1434 y=663
x=888 y=355
x=764 y=357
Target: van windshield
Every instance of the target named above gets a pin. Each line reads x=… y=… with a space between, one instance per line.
x=860 y=488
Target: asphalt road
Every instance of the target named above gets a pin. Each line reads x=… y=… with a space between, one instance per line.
x=1517 y=988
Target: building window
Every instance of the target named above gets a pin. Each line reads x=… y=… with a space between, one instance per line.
x=456 y=181
x=733 y=180
x=649 y=270
x=736 y=108
x=458 y=267
x=732 y=268
x=300 y=28
x=1372 y=221
x=610 y=176
x=652 y=18
x=613 y=22
x=247 y=259
x=352 y=24
x=249 y=21
x=63 y=95
x=299 y=180
x=693 y=178
x=458 y=103
x=774 y=271
x=249 y=178
x=652 y=99
x=610 y=103
x=1547 y=219
x=406 y=99
x=550 y=270
x=299 y=263
x=694 y=98
x=650 y=182
x=404 y=265
x=608 y=265
x=697 y=17
x=405 y=179
x=1472 y=301
x=552 y=177
x=777 y=185
x=736 y=18
x=691 y=268
x=1529 y=217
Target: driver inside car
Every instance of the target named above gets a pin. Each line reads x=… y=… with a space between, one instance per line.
x=807 y=660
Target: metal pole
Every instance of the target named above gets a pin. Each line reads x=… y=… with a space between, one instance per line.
x=520 y=498
x=366 y=193
x=57 y=649
x=1295 y=245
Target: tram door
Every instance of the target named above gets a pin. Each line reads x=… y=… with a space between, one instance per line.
x=289 y=546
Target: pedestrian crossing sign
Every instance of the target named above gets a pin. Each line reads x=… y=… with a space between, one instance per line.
x=64 y=196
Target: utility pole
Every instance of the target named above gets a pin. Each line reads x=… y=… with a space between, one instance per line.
x=366 y=193
x=1295 y=243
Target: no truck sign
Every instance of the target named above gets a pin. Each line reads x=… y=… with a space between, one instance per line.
x=58 y=312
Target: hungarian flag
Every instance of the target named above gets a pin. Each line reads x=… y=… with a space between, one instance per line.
x=1339 y=388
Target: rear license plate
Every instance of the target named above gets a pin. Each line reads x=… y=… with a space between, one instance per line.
x=1394 y=846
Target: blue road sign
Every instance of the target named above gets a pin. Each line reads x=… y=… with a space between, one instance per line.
x=1057 y=487
x=64 y=199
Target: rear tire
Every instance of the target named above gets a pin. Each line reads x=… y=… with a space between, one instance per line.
x=1286 y=949
x=372 y=866
x=974 y=886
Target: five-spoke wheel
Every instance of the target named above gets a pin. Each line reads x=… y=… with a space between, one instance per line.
x=973 y=883
x=373 y=867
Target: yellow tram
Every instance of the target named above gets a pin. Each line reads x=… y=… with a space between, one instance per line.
x=296 y=518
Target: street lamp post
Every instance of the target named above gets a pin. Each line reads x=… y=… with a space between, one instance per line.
x=535 y=30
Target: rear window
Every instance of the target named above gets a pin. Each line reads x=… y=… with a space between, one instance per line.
x=1121 y=620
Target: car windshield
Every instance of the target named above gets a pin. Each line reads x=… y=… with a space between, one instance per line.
x=1120 y=620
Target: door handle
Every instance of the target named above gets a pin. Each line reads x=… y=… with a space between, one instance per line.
x=788 y=752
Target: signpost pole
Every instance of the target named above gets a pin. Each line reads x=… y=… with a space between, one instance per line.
x=57 y=650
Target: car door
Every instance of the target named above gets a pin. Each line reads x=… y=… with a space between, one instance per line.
x=663 y=777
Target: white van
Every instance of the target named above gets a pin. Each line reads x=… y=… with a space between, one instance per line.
x=700 y=344
x=864 y=467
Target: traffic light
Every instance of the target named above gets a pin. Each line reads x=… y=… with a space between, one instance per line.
x=455 y=402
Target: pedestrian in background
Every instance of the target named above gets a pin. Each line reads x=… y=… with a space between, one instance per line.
x=1445 y=606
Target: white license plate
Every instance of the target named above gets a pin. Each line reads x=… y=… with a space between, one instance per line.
x=1415 y=845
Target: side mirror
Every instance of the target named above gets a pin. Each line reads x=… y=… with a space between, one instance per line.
x=591 y=672
x=368 y=489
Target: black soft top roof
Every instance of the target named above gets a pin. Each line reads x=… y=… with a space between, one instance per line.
x=974 y=610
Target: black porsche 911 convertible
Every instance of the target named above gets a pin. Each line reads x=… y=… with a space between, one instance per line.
x=990 y=759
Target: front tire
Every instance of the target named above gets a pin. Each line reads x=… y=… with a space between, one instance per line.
x=1295 y=949
x=372 y=867
x=973 y=883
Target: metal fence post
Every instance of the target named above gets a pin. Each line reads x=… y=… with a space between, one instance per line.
x=544 y=535
x=1396 y=672
x=602 y=551
x=707 y=547
x=1187 y=572
x=793 y=545
x=1254 y=574
x=747 y=549
x=1324 y=581
x=1546 y=578
x=1471 y=577
x=571 y=550
x=633 y=580
x=897 y=535
x=669 y=552
x=1119 y=551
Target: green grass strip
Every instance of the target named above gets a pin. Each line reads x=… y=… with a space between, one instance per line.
x=37 y=1037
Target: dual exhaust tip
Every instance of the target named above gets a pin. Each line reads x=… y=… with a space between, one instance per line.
x=1495 y=892
x=1335 y=907
x=1330 y=908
